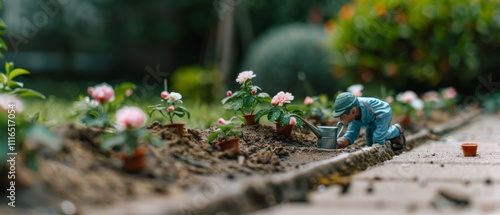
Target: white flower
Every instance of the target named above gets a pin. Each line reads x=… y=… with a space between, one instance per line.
x=356 y=89
x=417 y=104
x=11 y=102
x=407 y=96
x=245 y=75
x=175 y=97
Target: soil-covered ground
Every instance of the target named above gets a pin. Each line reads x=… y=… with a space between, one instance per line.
x=86 y=176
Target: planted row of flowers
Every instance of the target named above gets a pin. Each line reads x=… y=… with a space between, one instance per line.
x=123 y=127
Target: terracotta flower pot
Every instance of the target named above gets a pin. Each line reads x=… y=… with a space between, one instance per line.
x=285 y=130
x=177 y=128
x=469 y=149
x=135 y=162
x=250 y=119
x=230 y=144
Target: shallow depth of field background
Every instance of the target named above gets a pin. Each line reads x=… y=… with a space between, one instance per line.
x=304 y=47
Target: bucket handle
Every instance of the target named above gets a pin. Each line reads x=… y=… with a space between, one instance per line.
x=339 y=124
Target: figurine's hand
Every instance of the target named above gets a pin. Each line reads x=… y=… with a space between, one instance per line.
x=342 y=142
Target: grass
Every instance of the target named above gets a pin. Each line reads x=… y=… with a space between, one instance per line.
x=54 y=111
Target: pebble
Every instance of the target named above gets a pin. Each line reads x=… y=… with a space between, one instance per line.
x=68 y=207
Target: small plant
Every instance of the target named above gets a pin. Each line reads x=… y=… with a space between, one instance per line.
x=99 y=111
x=446 y=100
x=8 y=85
x=225 y=130
x=130 y=131
x=247 y=98
x=169 y=107
x=317 y=107
x=280 y=112
x=407 y=104
x=23 y=133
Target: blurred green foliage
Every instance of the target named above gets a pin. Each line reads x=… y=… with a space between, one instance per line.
x=393 y=42
x=198 y=83
x=294 y=58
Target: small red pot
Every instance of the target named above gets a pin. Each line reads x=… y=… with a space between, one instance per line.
x=285 y=130
x=230 y=144
x=177 y=128
x=135 y=162
x=469 y=149
x=250 y=119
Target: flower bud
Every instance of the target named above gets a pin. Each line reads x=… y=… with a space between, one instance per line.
x=229 y=93
x=170 y=108
x=164 y=95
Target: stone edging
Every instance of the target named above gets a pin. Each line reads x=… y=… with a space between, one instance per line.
x=261 y=192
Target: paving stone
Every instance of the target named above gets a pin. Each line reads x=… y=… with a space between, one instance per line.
x=411 y=182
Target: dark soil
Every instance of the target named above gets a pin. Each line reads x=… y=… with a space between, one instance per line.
x=86 y=176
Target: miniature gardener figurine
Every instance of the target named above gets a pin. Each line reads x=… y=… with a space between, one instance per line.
x=372 y=113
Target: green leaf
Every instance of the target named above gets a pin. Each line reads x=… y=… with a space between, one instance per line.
x=249 y=101
x=17 y=72
x=8 y=67
x=110 y=142
x=14 y=84
x=3 y=78
x=285 y=120
x=274 y=114
x=260 y=114
x=184 y=110
x=212 y=136
x=24 y=92
x=34 y=118
x=236 y=105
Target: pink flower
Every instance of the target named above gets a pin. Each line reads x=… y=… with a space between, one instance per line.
x=254 y=91
x=221 y=121
x=449 y=93
x=170 y=108
x=356 y=89
x=389 y=99
x=282 y=98
x=164 y=95
x=308 y=100
x=229 y=93
x=245 y=75
x=430 y=96
x=130 y=118
x=128 y=92
x=407 y=96
x=102 y=93
x=293 y=121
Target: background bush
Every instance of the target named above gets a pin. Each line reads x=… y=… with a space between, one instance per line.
x=292 y=58
x=399 y=43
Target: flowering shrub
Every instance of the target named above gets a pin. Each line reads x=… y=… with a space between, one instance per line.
x=169 y=107
x=130 y=131
x=247 y=98
x=280 y=112
x=99 y=111
x=8 y=85
x=225 y=130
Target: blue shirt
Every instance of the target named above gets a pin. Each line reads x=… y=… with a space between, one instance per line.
x=379 y=124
